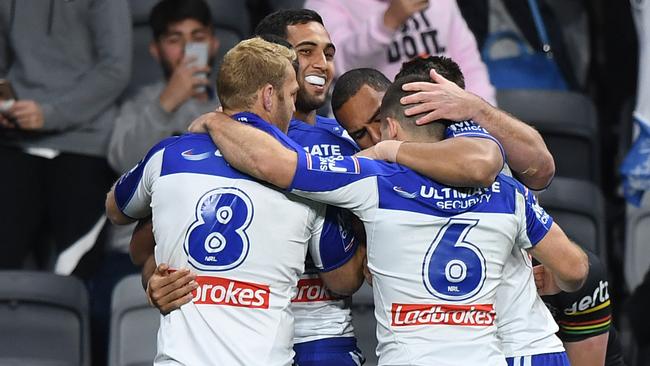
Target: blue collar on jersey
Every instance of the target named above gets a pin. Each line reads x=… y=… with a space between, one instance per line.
x=256 y=121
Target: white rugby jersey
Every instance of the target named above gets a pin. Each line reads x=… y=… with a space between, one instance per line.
x=246 y=242
x=525 y=325
x=319 y=313
x=436 y=254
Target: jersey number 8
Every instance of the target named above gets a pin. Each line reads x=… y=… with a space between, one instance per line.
x=217 y=240
x=454 y=269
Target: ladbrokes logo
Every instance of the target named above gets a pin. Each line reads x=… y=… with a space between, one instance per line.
x=311 y=289
x=223 y=291
x=428 y=314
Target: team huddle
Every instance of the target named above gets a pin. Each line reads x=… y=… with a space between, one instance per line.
x=266 y=218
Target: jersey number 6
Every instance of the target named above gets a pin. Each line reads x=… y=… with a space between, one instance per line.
x=217 y=240
x=454 y=269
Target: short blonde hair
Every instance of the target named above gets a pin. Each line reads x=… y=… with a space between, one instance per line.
x=249 y=66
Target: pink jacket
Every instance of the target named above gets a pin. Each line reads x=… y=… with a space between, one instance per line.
x=362 y=40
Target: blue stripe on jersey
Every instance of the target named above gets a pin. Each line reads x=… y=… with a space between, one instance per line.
x=472 y=129
x=319 y=141
x=333 y=126
x=257 y=122
x=415 y=193
x=401 y=188
x=128 y=182
x=337 y=242
x=196 y=153
x=538 y=222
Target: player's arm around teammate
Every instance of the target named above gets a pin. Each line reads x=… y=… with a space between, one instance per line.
x=566 y=261
x=248 y=149
x=468 y=161
x=527 y=154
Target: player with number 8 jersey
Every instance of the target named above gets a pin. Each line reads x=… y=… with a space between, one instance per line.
x=246 y=268
x=224 y=225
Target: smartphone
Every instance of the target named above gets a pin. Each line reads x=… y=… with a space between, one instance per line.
x=198 y=50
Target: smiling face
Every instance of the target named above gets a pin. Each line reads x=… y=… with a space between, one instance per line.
x=316 y=58
x=360 y=116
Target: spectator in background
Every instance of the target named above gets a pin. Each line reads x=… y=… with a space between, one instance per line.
x=167 y=107
x=68 y=62
x=383 y=34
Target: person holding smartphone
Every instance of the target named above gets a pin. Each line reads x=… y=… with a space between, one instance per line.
x=184 y=45
x=68 y=62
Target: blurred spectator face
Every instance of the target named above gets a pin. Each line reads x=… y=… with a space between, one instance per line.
x=316 y=58
x=169 y=49
x=359 y=116
x=285 y=100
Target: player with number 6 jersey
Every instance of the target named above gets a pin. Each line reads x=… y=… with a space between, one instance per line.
x=436 y=254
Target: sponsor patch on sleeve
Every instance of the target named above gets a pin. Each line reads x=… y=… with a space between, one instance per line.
x=334 y=164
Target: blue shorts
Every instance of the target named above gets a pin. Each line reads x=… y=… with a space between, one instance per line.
x=545 y=359
x=339 y=351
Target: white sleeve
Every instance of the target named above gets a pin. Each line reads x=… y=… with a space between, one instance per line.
x=133 y=189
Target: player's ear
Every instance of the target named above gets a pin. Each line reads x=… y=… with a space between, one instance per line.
x=267 y=97
x=393 y=127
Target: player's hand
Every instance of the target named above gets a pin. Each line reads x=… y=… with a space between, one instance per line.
x=368 y=153
x=544 y=281
x=28 y=114
x=399 y=11
x=167 y=290
x=441 y=99
x=203 y=122
x=200 y=124
x=182 y=84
